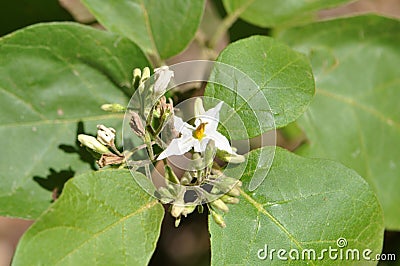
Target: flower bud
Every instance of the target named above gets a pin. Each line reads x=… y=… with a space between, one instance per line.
x=137 y=74
x=188 y=210
x=177 y=221
x=113 y=107
x=197 y=162
x=209 y=153
x=198 y=107
x=93 y=144
x=229 y=199
x=105 y=135
x=218 y=219
x=177 y=210
x=220 y=205
x=225 y=183
x=165 y=195
x=230 y=158
x=234 y=192
x=186 y=178
x=162 y=76
x=136 y=124
x=200 y=208
x=145 y=75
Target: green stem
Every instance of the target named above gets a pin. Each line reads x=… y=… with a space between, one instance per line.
x=149 y=145
x=134 y=150
x=155 y=59
x=227 y=23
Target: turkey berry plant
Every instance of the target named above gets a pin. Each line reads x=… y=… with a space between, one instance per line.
x=158 y=143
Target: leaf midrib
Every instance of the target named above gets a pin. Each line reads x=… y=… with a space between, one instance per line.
x=110 y=226
x=353 y=103
x=262 y=210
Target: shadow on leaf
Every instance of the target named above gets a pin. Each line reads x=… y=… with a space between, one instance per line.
x=55 y=181
x=84 y=154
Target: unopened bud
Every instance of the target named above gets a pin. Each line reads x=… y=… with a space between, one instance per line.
x=105 y=135
x=200 y=208
x=177 y=210
x=225 y=183
x=136 y=124
x=186 y=178
x=188 y=210
x=218 y=219
x=209 y=153
x=177 y=221
x=234 y=192
x=220 y=205
x=166 y=114
x=230 y=158
x=229 y=199
x=165 y=195
x=197 y=162
x=137 y=75
x=113 y=107
x=162 y=76
x=145 y=75
x=198 y=107
x=92 y=143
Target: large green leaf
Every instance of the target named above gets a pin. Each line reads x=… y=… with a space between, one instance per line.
x=102 y=218
x=283 y=84
x=355 y=117
x=158 y=27
x=54 y=76
x=272 y=13
x=302 y=204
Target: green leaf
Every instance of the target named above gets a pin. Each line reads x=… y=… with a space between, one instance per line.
x=282 y=77
x=53 y=80
x=355 y=117
x=161 y=28
x=275 y=13
x=102 y=217
x=302 y=204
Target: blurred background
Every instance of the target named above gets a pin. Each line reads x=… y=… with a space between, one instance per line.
x=188 y=244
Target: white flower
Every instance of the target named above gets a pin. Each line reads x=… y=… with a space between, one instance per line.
x=162 y=76
x=197 y=137
x=105 y=135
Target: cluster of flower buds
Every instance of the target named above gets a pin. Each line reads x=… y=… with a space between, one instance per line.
x=102 y=144
x=149 y=119
x=220 y=204
x=203 y=183
x=140 y=77
x=215 y=192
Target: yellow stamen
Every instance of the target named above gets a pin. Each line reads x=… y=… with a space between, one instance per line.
x=199 y=131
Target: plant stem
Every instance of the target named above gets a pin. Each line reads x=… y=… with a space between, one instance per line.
x=227 y=23
x=155 y=59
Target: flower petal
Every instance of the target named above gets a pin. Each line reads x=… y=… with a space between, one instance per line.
x=198 y=146
x=214 y=112
x=203 y=144
x=182 y=127
x=211 y=117
x=221 y=142
x=178 y=147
